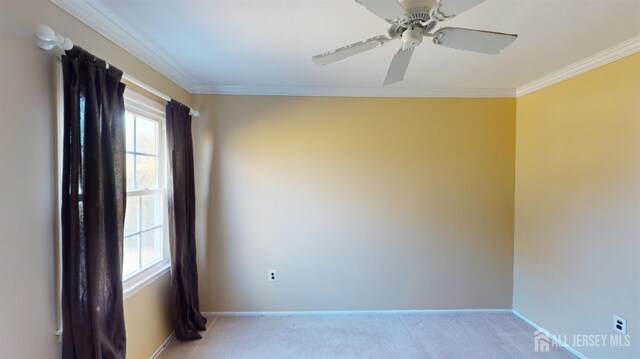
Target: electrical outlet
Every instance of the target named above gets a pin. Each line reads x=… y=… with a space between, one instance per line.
x=619 y=324
x=272 y=275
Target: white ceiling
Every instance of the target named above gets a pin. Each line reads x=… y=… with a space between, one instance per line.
x=211 y=45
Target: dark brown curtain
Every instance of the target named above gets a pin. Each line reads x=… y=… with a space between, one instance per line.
x=187 y=320
x=93 y=206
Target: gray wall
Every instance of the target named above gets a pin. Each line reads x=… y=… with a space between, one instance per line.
x=359 y=203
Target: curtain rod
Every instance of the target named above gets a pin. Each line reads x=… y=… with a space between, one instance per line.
x=135 y=81
x=48 y=40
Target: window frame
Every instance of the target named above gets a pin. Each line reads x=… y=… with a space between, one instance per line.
x=144 y=107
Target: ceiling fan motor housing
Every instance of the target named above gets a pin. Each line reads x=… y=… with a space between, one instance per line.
x=412 y=37
x=414 y=4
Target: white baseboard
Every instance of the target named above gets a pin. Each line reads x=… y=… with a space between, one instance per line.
x=164 y=344
x=551 y=336
x=350 y=312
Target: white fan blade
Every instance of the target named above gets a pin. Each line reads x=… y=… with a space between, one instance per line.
x=398 y=66
x=350 y=50
x=385 y=9
x=451 y=8
x=486 y=42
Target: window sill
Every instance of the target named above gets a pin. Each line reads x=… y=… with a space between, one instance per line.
x=133 y=285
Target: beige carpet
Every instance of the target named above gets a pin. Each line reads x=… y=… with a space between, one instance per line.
x=450 y=336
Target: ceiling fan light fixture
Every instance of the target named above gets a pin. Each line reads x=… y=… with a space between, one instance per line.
x=412 y=37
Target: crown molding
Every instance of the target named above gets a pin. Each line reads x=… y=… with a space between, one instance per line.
x=614 y=53
x=95 y=19
x=328 y=91
x=98 y=21
x=92 y=17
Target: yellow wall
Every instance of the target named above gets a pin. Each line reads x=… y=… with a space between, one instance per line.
x=577 y=233
x=359 y=203
x=148 y=318
x=27 y=294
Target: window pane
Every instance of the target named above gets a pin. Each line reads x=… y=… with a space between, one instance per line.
x=130 y=172
x=132 y=217
x=129 y=123
x=151 y=246
x=131 y=255
x=146 y=138
x=144 y=231
x=146 y=176
x=151 y=210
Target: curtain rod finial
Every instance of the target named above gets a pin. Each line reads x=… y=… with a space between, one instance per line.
x=46 y=33
x=48 y=39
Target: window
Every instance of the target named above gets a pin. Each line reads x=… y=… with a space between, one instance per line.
x=145 y=244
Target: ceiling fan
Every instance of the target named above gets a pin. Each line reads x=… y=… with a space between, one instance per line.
x=410 y=21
